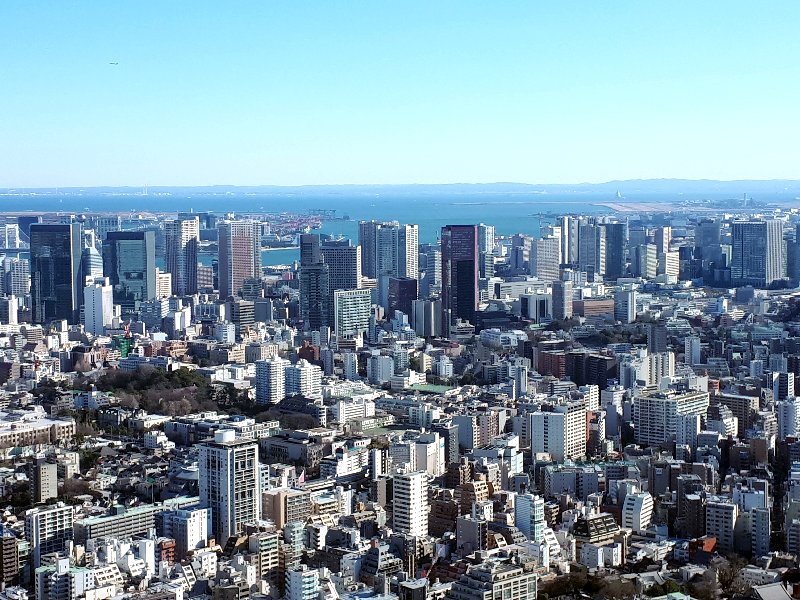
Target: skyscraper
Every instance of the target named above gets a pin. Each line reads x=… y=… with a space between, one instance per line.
x=270 y=380
x=410 y=501
x=616 y=235
x=756 y=253
x=230 y=483
x=459 y=273
x=388 y=248
x=98 y=305
x=562 y=299
x=592 y=248
x=239 y=255
x=351 y=309
x=545 y=258
x=56 y=288
x=315 y=297
x=344 y=263
x=182 y=237
x=129 y=262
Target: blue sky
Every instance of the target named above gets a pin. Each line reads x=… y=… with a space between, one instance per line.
x=335 y=92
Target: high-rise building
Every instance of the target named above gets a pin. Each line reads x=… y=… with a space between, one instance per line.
x=760 y=531
x=637 y=511
x=788 y=413
x=129 y=262
x=592 y=248
x=44 y=480
x=98 y=306
x=426 y=318
x=403 y=291
x=351 y=310
x=270 y=380
x=181 y=239
x=303 y=379
x=529 y=516
x=756 y=253
x=625 y=305
x=545 y=258
x=239 y=255
x=17 y=276
x=388 y=249
x=344 y=264
x=569 y=240
x=56 y=287
x=616 y=235
x=663 y=239
x=459 y=274
x=560 y=430
x=655 y=414
x=302 y=583
x=230 y=483
x=721 y=516
x=562 y=299
x=48 y=529
x=410 y=503
x=691 y=348
x=104 y=225
x=315 y=297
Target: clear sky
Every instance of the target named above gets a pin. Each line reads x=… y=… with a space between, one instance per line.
x=285 y=92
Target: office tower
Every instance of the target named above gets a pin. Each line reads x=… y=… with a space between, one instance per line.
x=408 y=251
x=9 y=310
x=351 y=310
x=239 y=255
x=426 y=318
x=625 y=305
x=569 y=240
x=657 y=338
x=410 y=503
x=230 y=483
x=103 y=225
x=163 y=285
x=616 y=245
x=367 y=239
x=655 y=414
x=181 y=239
x=545 y=259
x=721 y=516
x=691 y=348
x=129 y=262
x=486 y=243
x=529 y=516
x=706 y=235
x=91 y=264
x=344 y=264
x=315 y=298
x=663 y=238
x=492 y=579
x=637 y=511
x=430 y=264
x=44 y=480
x=48 y=529
x=560 y=431
x=402 y=293
x=270 y=380
x=10 y=236
x=17 y=276
x=756 y=253
x=459 y=274
x=303 y=379
x=562 y=300
x=56 y=287
x=98 y=306
x=592 y=248
x=388 y=249
x=646 y=261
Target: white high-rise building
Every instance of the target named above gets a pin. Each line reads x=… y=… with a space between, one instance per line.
x=230 y=483
x=637 y=511
x=721 y=515
x=181 y=240
x=788 y=414
x=98 y=306
x=625 y=306
x=350 y=362
x=239 y=255
x=529 y=516
x=302 y=583
x=546 y=258
x=561 y=432
x=410 y=498
x=782 y=385
x=760 y=531
x=48 y=529
x=270 y=380
x=655 y=415
x=303 y=379
x=351 y=311
x=691 y=348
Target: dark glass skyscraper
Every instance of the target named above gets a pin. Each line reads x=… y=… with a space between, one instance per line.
x=56 y=289
x=616 y=241
x=460 y=293
x=129 y=262
x=315 y=297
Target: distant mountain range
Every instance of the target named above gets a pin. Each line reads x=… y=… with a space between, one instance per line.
x=736 y=188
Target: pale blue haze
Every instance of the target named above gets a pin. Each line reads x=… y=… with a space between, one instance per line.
x=396 y=92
